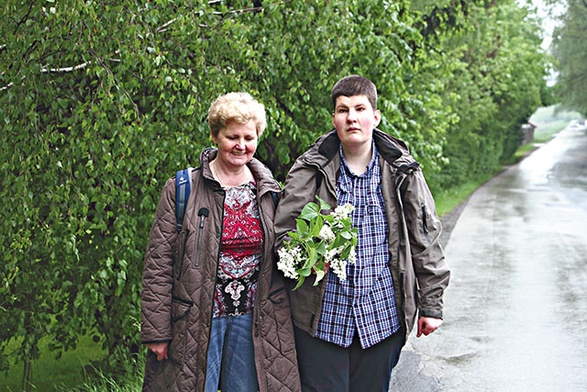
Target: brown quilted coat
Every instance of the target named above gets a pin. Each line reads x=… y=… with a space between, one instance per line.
x=178 y=291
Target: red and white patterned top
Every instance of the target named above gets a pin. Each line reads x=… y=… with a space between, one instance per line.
x=240 y=252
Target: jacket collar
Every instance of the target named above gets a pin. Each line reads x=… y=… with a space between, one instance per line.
x=261 y=173
x=390 y=148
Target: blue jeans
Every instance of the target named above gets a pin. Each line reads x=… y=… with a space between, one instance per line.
x=231 y=359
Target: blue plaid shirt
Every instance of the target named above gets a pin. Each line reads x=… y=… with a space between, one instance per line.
x=364 y=303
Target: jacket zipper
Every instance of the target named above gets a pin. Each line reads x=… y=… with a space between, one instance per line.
x=215 y=275
x=400 y=222
x=256 y=310
x=199 y=241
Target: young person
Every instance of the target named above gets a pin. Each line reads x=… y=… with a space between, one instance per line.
x=349 y=334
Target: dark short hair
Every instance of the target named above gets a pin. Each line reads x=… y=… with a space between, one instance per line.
x=355 y=85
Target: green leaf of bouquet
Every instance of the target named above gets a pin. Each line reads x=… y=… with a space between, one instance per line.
x=301 y=280
x=323 y=205
x=329 y=219
x=310 y=211
x=312 y=254
x=305 y=272
x=321 y=249
x=294 y=237
x=319 y=275
x=318 y=224
x=307 y=264
x=339 y=241
x=301 y=227
x=346 y=224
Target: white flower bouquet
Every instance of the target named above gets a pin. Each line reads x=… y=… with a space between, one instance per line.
x=319 y=242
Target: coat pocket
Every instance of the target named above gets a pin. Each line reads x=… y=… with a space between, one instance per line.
x=180 y=310
x=280 y=330
x=278 y=296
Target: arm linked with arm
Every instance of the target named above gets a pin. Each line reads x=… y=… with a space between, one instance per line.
x=299 y=189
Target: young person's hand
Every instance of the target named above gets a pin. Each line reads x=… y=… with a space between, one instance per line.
x=160 y=349
x=427 y=325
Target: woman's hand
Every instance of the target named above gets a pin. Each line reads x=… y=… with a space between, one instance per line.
x=160 y=349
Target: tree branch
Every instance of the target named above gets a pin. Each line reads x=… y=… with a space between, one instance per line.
x=164 y=27
x=7 y=86
x=241 y=11
x=66 y=69
x=22 y=20
x=117 y=84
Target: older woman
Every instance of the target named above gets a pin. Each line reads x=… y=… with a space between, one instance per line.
x=215 y=311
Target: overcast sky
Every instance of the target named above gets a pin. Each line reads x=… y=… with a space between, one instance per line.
x=548 y=16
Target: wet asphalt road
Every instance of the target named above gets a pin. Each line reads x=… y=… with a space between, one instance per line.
x=516 y=307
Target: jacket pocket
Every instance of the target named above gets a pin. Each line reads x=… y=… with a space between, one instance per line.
x=425 y=219
x=180 y=310
x=280 y=329
x=278 y=296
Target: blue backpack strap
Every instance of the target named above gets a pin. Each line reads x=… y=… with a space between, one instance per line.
x=183 y=187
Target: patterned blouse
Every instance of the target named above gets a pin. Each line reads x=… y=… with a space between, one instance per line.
x=240 y=252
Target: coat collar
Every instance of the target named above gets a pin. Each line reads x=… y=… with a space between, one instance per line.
x=263 y=176
x=393 y=150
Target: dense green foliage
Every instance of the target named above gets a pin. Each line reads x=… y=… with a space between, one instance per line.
x=494 y=82
x=569 y=50
x=102 y=101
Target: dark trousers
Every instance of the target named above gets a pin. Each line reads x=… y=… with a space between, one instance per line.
x=326 y=367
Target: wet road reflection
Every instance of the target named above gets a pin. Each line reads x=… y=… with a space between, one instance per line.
x=516 y=309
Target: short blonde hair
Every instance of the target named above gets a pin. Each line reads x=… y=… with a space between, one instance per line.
x=236 y=106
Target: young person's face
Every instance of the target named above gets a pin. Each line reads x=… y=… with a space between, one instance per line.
x=236 y=143
x=354 y=120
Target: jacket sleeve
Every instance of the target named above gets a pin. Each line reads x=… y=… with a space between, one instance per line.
x=158 y=271
x=424 y=228
x=299 y=189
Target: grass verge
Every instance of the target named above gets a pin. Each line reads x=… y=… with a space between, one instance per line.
x=451 y=198
x=548 y=120
x=132 y=382
x=51 y=374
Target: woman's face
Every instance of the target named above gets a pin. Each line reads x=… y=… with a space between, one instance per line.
x=236 y=143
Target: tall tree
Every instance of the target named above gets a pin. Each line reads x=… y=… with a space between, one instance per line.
x=569 y=49
x=494 y=81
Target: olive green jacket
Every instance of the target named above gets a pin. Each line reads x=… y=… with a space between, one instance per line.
x=420 y=274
